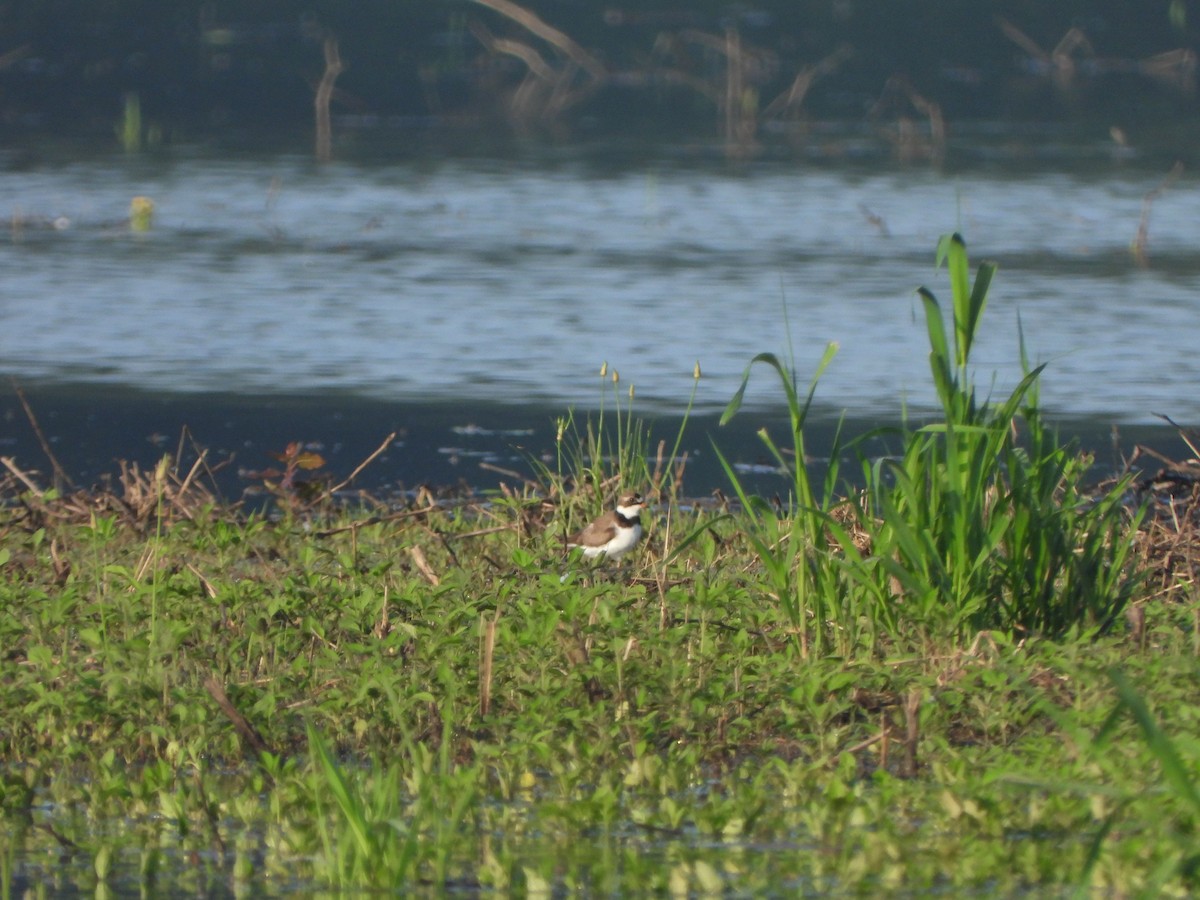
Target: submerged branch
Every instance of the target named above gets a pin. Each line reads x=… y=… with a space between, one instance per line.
x=333 y=68
x=532 y=23
x=1142 y=239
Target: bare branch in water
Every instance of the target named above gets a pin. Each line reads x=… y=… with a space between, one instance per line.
x=333 y=68
x=1143 y=233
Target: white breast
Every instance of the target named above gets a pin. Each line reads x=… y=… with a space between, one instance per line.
x=622 y=543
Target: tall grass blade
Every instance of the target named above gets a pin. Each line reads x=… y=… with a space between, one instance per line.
x=336 y=782
x=1160 y=745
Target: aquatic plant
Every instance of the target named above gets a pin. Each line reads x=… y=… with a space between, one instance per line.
x=141 y=214
x=288 y=485
x=985 y=521
x=982 y=522
x=129 y=130
x=391 y=825
x=792 y=541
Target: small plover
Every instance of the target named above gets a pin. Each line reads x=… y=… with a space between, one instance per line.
x=615 y=533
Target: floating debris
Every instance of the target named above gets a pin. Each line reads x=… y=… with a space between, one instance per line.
x=480 y=431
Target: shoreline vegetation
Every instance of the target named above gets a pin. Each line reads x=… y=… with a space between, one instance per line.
x=973 y=670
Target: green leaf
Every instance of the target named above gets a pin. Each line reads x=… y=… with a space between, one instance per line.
x=771 y=360
x=936 y=327
x=978 y=303
x=831 y=350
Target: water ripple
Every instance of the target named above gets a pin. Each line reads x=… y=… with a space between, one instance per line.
x=514 y=285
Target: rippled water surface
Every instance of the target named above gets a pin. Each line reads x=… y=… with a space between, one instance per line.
x=484 y=281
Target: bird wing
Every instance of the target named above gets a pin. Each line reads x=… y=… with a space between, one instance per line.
x=597 y=533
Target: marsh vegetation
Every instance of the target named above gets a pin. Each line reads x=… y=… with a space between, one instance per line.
x=968 y=667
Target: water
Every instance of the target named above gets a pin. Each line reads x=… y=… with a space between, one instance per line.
x=514 y=282
x=490 y=283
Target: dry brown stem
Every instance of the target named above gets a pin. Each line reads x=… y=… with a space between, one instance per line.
x=60 y=475
x=422 y=563
x=1175 y=68
x=486 y=667
x=912 y=730
x=792 y=99
x=538 y=67
x=534 y=25
x=387 y=442
x=324 y=93
x=1059 y=62
x=550 y=86
x=898 y=109
x=1142 y=239
x=736 y=91
x=241 y=724
x=30 y=485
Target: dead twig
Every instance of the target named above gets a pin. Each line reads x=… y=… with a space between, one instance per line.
x=324 y=93
x=241 y=724
x=480 y=532
x=431 y=507
x=329 y=492
x=550 y=86
x=60 y=475
x=792 y=99
x=9 y=463
x=525 y=53
x=486 y=668
x=1175 y=68
x=1058 y=63
x=912 y=731
x=536 y=26
x=1140 y=242
x=384 y=626
x=901 y=99
x=422 y=564
x=510 y=473
x=1183 y=433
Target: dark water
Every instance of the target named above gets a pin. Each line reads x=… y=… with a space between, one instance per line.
x=458 y=447
x=465 y=302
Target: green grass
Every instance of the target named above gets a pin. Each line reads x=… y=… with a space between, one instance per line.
x=635 y=735
x=984 y=520
x=921 y=686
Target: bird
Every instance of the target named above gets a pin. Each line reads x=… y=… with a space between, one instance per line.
x=615 y=533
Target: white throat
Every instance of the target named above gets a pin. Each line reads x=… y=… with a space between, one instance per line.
x=630 y=512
